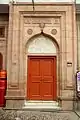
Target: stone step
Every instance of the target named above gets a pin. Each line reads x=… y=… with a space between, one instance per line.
x=48 y=105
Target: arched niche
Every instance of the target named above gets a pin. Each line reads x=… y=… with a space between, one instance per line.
x=41 y=44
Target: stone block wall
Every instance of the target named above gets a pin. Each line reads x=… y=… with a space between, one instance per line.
x=24 y=24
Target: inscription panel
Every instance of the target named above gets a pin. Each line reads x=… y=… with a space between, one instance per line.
x=38 y=20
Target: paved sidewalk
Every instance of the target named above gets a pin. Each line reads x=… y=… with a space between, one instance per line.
x=77 y=112
x=38 y=115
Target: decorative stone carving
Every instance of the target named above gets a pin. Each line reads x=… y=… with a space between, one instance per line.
x=56 y=21
x=29 y=31
x=37 y=20
x=42 y=25
x=54 y=31
x=33 y=118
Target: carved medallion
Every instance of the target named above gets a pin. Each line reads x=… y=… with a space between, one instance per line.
x=54 y=31
x=29 y=31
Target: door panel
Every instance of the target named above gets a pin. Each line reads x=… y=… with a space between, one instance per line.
x=35 y=91
x=47 y=69
x=48 y=91
x=34 y=67
x=42 y=78
x=34 y=79
x=48 y=78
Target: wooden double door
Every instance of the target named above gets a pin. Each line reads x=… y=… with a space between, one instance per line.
x=41 y=84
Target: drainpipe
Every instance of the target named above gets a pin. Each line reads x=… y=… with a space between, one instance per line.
x=33 y=5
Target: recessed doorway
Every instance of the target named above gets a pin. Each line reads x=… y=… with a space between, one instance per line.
x=41 y=84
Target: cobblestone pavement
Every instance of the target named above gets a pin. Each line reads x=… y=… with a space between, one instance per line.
x=37 y=115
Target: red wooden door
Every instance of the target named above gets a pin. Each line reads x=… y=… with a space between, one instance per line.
x=41 y=78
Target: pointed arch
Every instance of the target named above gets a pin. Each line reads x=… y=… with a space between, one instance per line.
x=54 y=52
x=42 y=43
